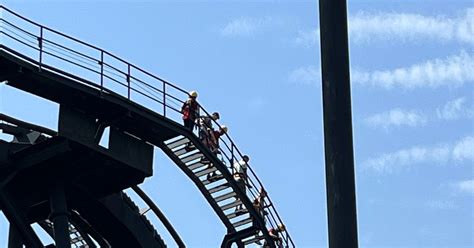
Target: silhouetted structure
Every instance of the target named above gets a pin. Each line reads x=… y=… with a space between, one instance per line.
x=72 y=186
x=340 y=185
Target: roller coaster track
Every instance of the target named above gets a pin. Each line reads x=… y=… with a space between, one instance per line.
x=118 y=205
x=65 y=70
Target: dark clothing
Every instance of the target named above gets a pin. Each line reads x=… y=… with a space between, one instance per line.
x=205 y=124
x=189 y=124
x=214 y=144
x=241 y=184
x=190 y=111
x=275 y=236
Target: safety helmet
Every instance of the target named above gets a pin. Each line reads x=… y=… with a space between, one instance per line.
x=216 y=114
x=281 y=227
x=224 y=128
x=193 y=94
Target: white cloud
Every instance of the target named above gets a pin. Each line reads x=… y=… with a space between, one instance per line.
x=442 y=205
x=465 y=186
x=411 y=27
x=455 y=109
x=366 y=27
x=245 y=26
x=437 y=154
x=396 y=117
x=389 y=161
x=464 y=149
x=309 y=75
x=452 y=71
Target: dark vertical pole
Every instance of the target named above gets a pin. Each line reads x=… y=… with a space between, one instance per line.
x=232 y=157
x=128 y=82
x=59 y=217
x=14 y=238
x=340 y=183
x=101 y=71
x=40 y=44
x=164 y=99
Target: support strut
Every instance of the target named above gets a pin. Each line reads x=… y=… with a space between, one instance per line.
x=59 y=217
x=340 y=182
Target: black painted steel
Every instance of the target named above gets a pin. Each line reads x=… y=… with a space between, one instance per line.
x=160 y=215
x=59 y=217
x=340 y=182
x=26 y=125
x=132 y=80
x=14 y=238
x=28 y=236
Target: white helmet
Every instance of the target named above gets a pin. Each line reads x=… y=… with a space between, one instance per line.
x=224 y=128
x=193 y=94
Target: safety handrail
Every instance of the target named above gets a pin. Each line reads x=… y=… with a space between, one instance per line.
x=233 y=154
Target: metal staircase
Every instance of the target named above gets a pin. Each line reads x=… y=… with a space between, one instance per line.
x=151 y=114
x=209 y=178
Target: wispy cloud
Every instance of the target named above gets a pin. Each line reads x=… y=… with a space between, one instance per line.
x=406 y=27
x=411 y=27
x=455 y=109
x=452 y=71
x=245 y=26
x=309 y=75
x=466 y=186
x=396 y=118
x=464 y=149
x=438 y=154
x=442 y=205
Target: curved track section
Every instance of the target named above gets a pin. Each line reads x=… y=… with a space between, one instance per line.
x=121 y=95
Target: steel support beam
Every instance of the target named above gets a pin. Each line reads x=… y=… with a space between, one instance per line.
x=28 y=236
x=340 y=181
x=14 y=238
x=237 y=237
x=59 y=217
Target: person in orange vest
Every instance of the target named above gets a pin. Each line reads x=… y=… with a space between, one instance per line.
x=190 y=111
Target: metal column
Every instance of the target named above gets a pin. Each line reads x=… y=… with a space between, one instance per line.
x=59 y=217
x=14 y=238
x=340 y=182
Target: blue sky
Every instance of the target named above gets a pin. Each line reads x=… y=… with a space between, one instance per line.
x=258 y=64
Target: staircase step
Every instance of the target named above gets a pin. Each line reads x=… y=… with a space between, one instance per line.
x=190 y=158
x=205 y=171
x=231 y=205
x=177 y=143
x=235 y=214
x=216 y=178
x=196 y=165
x=77 y=241
x=253 y=240
x=182 y=151
x=242 y=222
x=218 y=188
x=225 y=196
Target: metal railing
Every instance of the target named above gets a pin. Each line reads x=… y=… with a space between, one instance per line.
x=51 y=49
